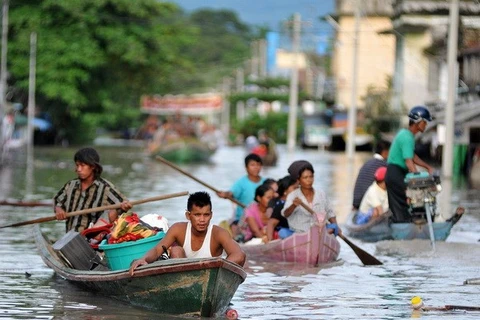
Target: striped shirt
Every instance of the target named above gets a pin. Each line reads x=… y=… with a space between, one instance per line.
x=365 y=178
x=71 y=198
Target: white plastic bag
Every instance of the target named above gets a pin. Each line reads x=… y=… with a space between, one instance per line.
x=156 y=220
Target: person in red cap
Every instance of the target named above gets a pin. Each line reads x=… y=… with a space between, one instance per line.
x=375 y=201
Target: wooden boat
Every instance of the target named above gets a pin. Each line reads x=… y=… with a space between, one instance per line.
x=185 y=150
x=380 y=229
x=271 y=158
x=315 y=247
x=421 y=191
x=189 y=287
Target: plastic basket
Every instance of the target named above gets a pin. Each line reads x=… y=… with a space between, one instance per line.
x=120 y=255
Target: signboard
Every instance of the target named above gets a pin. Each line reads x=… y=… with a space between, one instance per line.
x=195 y=104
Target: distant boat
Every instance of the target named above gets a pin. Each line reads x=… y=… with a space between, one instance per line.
x=185 y=150
x=187 y=287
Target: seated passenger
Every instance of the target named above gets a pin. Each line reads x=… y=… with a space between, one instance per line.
x=299 y=218
x=254 y=223
x=375 y=201
x=277 y=226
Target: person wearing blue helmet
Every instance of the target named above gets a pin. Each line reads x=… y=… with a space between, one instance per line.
x=402 y=160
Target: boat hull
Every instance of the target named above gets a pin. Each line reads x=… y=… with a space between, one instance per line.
x=409 y=231
x=313 y=248
x=193 y=287
x=381 y=229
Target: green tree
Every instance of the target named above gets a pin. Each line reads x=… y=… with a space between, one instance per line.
x=378 y=112
x=223 y=44
x=275 y=123
x=96 y=57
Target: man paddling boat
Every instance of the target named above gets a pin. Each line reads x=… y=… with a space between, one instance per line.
x=88 y=190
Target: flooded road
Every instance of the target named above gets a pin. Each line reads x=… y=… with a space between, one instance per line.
x=346 y=290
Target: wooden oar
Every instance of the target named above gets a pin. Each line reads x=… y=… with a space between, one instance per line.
x=174 y=166
x=366 y=258
x=21 y=203
x=466 y=308
x=97 y=209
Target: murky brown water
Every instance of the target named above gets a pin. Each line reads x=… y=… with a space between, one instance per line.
x=347 y=290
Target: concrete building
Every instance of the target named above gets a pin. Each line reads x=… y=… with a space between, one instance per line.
x=421 y=31
x=376 y=52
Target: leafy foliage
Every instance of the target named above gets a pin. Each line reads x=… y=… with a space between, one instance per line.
x=275 y=124
x=269 y=83
x=95 y=58
x=380 y=116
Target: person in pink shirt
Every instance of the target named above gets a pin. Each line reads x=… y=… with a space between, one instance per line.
x=255 y=223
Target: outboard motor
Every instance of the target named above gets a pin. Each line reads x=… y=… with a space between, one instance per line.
x=422 y=189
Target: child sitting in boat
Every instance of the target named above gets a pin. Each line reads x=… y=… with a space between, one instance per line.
x=277 y=226
x=375 y=201
x=254 y=222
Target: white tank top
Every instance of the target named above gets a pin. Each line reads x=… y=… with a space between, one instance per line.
x=204 y=251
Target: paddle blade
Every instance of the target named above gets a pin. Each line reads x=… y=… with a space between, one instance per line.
x=366 y=258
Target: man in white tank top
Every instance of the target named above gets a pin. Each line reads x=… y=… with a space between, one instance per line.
x=195 y=238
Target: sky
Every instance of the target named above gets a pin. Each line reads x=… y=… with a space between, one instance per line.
x=273 y=13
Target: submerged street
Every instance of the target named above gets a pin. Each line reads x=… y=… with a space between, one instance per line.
x=344 y=290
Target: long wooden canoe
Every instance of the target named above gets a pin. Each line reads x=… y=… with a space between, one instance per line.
x=190 y=287
x=315 y=247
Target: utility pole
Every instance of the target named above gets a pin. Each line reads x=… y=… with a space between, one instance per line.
x=31 y=112
x=447 y=156
x=239 y=86
x=31 y=88
x=226 y=107
x=293 y=99
x=262 y=57
x=352 y=111
x=3 y=67
x=255 y=60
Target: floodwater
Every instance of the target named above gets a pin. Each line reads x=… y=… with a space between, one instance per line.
x=345 y=290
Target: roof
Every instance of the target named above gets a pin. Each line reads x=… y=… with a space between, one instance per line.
x=466 y=7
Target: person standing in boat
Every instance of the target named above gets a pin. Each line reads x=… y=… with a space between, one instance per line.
x=402 y=160
x=299 y=218
x=375 y=201
x=196 y=238
x=366 y=174
x=88 y=190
